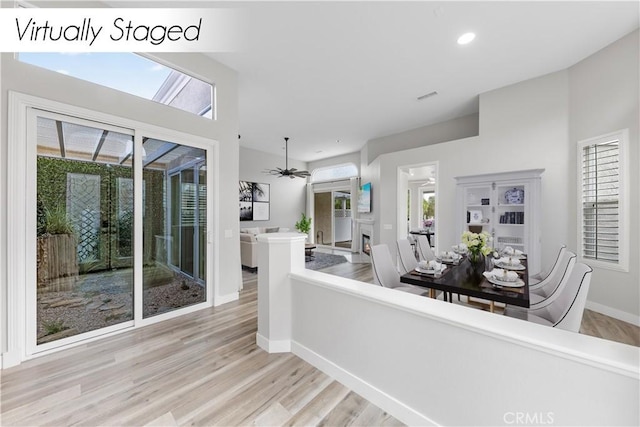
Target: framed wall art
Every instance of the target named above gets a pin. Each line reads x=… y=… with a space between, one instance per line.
x=254 y=198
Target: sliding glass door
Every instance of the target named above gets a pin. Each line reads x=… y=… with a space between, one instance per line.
x=175 y=226
x=84 y=227
x=89 y=206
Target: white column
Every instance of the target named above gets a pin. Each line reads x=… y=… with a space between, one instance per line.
x=278 y=255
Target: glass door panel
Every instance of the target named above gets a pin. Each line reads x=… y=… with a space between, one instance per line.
x=84 y=207
x=187 y=219
x=174 y=221
x=202 y=221
x=342 y=219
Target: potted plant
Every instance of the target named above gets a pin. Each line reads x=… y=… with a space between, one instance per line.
x=304 y=225
x=57 y=247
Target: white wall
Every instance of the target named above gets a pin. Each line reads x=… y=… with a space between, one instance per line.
x=461 y=127
x=523 y=126
x=28 y=79
x=288 y=196
x=536 y=124
x=428 y=362
x=604 y=97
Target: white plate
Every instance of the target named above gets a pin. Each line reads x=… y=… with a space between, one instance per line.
x=511 y=267
x=422 y=270
x=520 y=257
x=517 y=284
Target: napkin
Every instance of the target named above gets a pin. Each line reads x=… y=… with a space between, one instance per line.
x=435 y=265
x=500 y=274
x=461 y=248
x=512 y=252
x=507 y=260
x=430 y=265
x=449 y=255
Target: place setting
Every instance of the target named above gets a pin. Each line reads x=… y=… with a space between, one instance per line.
x=431 y=268
x=449 y=257
x=508 y=251
x=500 y=278
x=509 y=263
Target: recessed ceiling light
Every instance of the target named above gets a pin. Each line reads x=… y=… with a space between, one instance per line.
x=466 y=38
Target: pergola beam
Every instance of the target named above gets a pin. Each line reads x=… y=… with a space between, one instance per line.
x=99 y=147
x=165 y=149
x=63 y=152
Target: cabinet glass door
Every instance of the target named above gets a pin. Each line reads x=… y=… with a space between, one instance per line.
x=510 y=216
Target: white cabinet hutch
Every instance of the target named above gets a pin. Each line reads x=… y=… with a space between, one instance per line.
x=507 y=205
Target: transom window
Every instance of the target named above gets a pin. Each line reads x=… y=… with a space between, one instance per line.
x=330 y=173
x=602 y=203
x=133 y=74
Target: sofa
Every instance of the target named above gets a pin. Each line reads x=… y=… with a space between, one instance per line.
x=249 y=244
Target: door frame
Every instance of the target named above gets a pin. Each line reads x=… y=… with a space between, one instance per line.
x=402 y=186
x=20 y=152
x=332 y=187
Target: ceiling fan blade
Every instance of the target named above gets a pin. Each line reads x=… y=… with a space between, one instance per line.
x=291 y=173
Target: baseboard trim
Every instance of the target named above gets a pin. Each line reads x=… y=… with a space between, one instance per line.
x=273 y=346
x=615 y=313
x=374 y=395
x=223 y=299
x=9 y=359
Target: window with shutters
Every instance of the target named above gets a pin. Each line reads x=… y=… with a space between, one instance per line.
x=602 y=209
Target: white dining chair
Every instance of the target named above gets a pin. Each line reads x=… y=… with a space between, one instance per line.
x=407 y=262
x=385 y=273
x=546 y=288
x=536 y=278
x=407 y=258
x=424 y=248
x=565 y=310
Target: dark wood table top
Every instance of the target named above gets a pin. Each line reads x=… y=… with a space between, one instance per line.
x=423 y=232
x=464 y=279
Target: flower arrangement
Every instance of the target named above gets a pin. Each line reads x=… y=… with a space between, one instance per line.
x=477 y=243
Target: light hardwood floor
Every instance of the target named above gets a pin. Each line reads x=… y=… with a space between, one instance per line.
x=200 y=369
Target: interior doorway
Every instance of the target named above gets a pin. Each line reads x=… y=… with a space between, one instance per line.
x=417 y=210
x=332 y=216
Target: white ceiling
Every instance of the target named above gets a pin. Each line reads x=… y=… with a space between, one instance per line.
x=349 y=72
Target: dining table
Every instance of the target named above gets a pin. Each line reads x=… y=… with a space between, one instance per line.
x=467 y=279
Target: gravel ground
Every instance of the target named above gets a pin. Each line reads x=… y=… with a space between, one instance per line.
x=94 y=304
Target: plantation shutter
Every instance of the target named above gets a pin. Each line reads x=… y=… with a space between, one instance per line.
x=600 y=201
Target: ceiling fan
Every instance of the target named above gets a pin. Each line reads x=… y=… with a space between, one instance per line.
x=291 y=173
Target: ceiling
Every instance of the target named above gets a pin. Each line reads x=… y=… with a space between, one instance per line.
x=333 y=75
